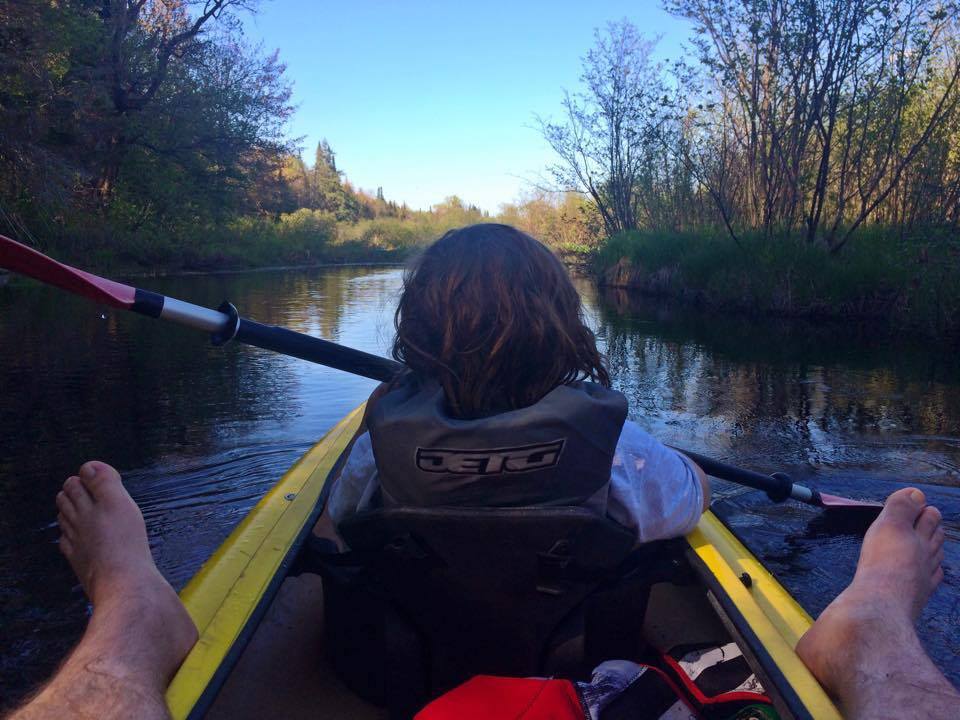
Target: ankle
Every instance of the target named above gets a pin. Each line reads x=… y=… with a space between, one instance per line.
x=875 y=650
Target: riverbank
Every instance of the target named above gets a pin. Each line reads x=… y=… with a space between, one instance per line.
x=305 y=238
x=302 y=239
x=901 y=280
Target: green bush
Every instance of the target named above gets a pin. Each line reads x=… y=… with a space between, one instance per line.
x=882 y=272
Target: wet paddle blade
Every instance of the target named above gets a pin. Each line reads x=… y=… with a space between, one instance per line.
x=24 y=260
x=835 y=502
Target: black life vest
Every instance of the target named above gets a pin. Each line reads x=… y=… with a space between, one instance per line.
x=558 y=451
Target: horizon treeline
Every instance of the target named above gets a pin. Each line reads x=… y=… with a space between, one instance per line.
x=149 y=133
x=125 y=118
x=142 y=133
x=805 y=119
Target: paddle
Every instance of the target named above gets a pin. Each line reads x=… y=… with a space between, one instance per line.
x=225 y=324
x=778 y=486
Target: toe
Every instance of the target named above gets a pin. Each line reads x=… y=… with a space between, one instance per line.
x=928 y=522
x=97 y=477
x=66 y=525
x=937 y=558
x=66 y=547
x=939 y=536
x=65 y=505
x=937 y=576
x=77 y=494
x=903 y=507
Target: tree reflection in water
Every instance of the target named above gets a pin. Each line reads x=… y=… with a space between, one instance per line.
x=847 y=409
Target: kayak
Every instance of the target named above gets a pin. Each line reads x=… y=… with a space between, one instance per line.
x=261 y=623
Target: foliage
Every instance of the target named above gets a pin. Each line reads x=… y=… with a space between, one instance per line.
x=825 y=108
x=134 y=120
x=144 y=134
x=889 y=275
x=150 y=134
x=566 y=221
x=789 y=118
x=603 y=141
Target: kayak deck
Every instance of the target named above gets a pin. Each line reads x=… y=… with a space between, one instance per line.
x=261 y=632
x=283 y=672
x=239 y=580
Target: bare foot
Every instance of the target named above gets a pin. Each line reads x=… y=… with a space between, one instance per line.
x=865 y=632
x=105 y=540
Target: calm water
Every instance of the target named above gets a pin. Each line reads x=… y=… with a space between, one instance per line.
x=201 y=432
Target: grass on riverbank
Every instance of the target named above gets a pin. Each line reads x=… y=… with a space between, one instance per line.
x=120 y=242
x=881 y=274
x=304 y=237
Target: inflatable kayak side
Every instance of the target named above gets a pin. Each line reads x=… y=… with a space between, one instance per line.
x=229 y=595
x=762 y=615
x=239 y=580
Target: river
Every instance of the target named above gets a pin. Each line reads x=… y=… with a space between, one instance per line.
x=200 y=432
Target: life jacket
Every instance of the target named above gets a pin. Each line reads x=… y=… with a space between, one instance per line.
x=558 y=451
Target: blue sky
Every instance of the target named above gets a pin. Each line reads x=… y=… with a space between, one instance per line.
x=429 y=99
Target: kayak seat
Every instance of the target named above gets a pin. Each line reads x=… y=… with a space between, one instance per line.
x=426 y=598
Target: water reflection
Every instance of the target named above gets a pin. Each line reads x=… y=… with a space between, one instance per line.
x=818 y=397
x=847 y=411
x=201 y=432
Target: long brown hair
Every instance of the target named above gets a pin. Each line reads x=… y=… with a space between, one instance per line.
x=491 y=314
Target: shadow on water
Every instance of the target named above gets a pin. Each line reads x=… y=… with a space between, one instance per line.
x=200 y=432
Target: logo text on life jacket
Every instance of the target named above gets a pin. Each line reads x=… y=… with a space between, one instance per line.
x=490 y=462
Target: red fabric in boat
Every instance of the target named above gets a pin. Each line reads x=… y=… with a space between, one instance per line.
x=702 y=701
x=497 y=698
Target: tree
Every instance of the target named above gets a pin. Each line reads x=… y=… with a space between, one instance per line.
x=146 y=40
x=218 y=125
x=826 y=104
x=143 y=113
x=604 y=140
x=47 y=67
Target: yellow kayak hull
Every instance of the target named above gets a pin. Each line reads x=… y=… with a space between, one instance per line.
x=231 y=592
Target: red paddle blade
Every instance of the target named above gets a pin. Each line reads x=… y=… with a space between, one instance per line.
x=21 y=259
x=834 y=501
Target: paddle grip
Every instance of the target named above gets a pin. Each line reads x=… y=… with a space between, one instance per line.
x=783 y=488
x=307 y=347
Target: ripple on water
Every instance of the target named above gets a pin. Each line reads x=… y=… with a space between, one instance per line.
x=191 y=507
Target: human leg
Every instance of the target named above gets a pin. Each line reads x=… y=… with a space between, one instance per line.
x=139 y=632
x=864 y=647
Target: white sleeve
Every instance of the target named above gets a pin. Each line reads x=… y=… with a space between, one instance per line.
x=653 y=490
x=357 y=483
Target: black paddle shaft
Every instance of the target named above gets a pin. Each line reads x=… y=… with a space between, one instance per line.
x=778 y=486
x=307 y=347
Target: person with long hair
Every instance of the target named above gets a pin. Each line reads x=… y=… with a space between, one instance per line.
x=506 y=400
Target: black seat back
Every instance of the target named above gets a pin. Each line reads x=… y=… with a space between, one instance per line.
x=443 y=594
